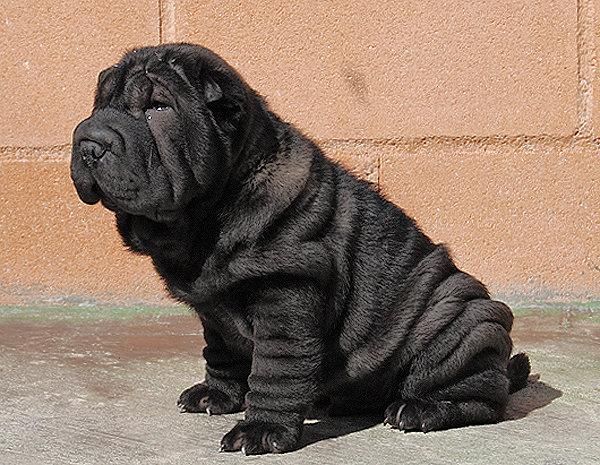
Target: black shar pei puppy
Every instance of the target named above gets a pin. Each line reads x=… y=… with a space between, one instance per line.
x=312 y=289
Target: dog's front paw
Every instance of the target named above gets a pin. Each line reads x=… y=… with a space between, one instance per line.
x=255 y=437
x=202 y=398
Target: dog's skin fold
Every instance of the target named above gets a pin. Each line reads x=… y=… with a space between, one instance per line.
x=312 y=289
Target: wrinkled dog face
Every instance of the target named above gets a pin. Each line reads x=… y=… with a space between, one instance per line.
x=162 y=132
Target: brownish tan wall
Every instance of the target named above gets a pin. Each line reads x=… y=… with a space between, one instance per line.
x=478 y=118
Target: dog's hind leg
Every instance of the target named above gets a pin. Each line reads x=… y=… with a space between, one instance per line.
x=478 y=398
x=457 y=353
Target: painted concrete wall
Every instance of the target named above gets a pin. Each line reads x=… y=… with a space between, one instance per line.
x=480 y=119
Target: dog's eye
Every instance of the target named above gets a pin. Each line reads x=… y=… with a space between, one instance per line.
x=158 y=106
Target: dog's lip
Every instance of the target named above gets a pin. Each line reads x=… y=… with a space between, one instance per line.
x=88 y=193
x=166 y=215
x=124 y=198
x=109 y=204
x=162 y=215
x=90 y=198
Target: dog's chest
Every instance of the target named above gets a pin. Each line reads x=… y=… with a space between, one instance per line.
x=235 y=322
x=229 y=311
x=198 y=273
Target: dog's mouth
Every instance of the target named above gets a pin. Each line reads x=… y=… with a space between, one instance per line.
x=87 y=189
x=118 y=203
x=114 y=202
x=116 y=197
x=164 y=216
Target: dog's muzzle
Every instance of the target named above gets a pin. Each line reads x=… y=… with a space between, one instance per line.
x=93 y=139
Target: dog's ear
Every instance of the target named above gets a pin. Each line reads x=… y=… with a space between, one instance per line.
x=224 y=98
x=107 y=83
x=212 y=90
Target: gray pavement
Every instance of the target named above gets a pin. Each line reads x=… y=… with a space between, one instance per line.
x=98 y=386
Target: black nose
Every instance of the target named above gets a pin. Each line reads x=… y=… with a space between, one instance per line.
x=91 y=150
x=94 y=139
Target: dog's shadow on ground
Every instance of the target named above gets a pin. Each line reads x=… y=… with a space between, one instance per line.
x=323 y=427
x=534 y=396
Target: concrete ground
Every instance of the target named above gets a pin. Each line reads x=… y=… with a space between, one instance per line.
x=98 y=386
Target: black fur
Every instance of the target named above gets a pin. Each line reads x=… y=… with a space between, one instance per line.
x=311 y=287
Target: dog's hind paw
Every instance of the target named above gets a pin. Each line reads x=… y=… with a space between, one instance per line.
x=418 y=416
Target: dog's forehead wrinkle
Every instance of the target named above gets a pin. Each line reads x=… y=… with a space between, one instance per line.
x=136 y=91
x=133 y=72
x=179 y=69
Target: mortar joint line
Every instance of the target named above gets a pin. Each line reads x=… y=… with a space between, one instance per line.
x=160 y=22
x=62 y=152
x=586 y=64
x=379 y=172
x=457 y=141
x=168 y=21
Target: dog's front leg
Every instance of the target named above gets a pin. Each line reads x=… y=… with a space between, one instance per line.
x=226 y=383
x=286 y=368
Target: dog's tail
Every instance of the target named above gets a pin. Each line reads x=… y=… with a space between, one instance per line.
x=518 y=371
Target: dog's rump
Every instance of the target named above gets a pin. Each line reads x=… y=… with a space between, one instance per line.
x=442 y=319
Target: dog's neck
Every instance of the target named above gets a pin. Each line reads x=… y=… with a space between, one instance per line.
x=267 y=179
x=178 y=248
x=259 y=142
